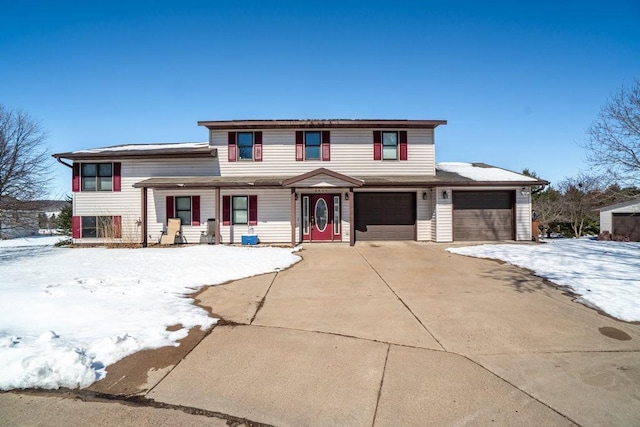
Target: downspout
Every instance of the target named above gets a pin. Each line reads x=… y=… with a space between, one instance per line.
x=144 y=218
x=536 y=191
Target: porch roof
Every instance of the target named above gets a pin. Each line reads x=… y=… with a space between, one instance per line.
x=442 y=179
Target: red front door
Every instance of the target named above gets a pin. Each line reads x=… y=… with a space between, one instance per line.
x=318 y=217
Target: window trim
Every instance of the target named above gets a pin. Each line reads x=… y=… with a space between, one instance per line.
x=307 y=145
x=234 y=210
x=396 y=145
x=251 y=147
x=176 y=210
x=102 y=222
x=233 y=147
x=96 y=178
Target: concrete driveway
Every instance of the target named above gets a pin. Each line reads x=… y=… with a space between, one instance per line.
x=404 y=334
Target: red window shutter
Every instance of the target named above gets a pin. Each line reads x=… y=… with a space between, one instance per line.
x=170 y=209
x=253 y=210
x=117 y=180
x=195 y=210
x=257 y=146
x=75 y=227
x=299 y=145
x=377 y=145
x=75 y=181
x=326 y=145
x=117 y=227
x=403 y=145
x=226 y=210
x=233 y=148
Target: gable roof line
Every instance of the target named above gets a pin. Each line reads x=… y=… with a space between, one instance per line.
x=619 y=205
x=323 y=171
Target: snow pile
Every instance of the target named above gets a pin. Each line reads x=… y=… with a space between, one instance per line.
x=482 y=173
x=66 y=314
x=605 y=275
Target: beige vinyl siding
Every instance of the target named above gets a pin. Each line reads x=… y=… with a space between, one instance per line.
x=274 y=217
x=444 y=216
x=124 y=203
x=345 y=225
x=424 y=215
x=127 y=203
x=606 y=221
x=351 y=154
x=523 y=215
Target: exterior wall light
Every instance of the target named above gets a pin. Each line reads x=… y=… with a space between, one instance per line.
x=524 y=191
x=424 y=195
x=445 y=194
x=346 y=196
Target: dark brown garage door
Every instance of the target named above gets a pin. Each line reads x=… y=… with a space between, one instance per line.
x=627 y=225
x=483 y=215
x=385 y=216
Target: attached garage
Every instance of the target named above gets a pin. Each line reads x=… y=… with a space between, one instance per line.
x=627 y=225
x=385 y=216
x=483 y=215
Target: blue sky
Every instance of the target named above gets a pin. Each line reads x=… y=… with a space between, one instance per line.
x=519 y=82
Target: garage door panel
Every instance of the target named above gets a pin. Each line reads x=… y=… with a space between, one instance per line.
x=483 y=215
x=385 y=216
x=627 y=225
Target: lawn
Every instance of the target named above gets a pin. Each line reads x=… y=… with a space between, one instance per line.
x=66 y=314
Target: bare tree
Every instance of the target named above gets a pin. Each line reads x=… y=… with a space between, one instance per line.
x=614 y=137
x=579 y=197
x=24 y=167
x=548 y=206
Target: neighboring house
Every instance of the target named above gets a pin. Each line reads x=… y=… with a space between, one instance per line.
x=291 y=181
x=18 y=218
x=622 y=220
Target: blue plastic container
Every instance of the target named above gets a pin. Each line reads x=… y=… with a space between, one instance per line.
x=249 y=239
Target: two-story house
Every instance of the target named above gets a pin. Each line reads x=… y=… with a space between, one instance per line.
x=292 y=181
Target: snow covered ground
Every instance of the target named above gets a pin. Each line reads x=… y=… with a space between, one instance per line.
x=67 y=314
x=605 y=275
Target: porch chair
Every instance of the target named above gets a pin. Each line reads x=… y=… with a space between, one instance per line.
x=173 y=232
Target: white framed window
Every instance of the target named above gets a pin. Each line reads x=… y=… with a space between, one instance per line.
x=245 y=145
x=239 y=210
x=389 y=145
x=183 y=209
x=96 y=176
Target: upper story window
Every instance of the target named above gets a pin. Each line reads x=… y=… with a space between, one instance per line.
x=389 y=145
x=96 y=177
x=245 y=146
x=313 y=145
